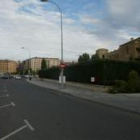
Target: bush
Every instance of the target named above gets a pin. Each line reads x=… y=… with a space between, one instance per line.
x=112 y=90
x=120 y=87
x=133 y=83
x=106 y=72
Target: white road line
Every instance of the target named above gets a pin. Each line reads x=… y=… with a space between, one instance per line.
x=5 y=106
x=14 y=132
x=29 y=125
x=12 y=104
x=7 y=95
x=18 y=130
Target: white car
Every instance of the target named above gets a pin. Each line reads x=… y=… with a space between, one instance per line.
x=17 y=77
x=26 y=76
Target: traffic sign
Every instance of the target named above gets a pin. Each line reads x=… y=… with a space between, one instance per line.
x=62 y=66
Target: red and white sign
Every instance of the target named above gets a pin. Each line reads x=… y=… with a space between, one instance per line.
x=62 y=66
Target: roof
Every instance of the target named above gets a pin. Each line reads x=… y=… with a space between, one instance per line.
x=6 y=60
x=42 y=58
x=130 y=41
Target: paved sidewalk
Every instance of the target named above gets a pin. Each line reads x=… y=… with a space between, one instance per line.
x=129 y=102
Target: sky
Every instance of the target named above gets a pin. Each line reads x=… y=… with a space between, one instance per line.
x=87 y=26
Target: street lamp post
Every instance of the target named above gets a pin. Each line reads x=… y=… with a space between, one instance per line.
x=62 y=61
x=29 y=72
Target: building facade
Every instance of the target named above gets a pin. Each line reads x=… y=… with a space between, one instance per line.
x=127 y=51
x=102 y=53
x=35 y=63
x=8 y=66
x=114 y=55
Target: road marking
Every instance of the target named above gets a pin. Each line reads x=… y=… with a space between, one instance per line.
x=29 y=125
x=7 y=95
x=14 y=132
x=18 y=130
x=12 y=104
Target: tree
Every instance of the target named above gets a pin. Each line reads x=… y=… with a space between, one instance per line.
x=94 y=57
x=84 y=58
x=43 y=64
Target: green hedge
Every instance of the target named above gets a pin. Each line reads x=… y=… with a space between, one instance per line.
x=105 y=71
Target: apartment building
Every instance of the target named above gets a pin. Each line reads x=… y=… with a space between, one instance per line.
x=8 y=66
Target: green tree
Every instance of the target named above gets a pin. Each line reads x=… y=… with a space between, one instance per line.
x=94 y=57
x=84 y=58
x=43 y=64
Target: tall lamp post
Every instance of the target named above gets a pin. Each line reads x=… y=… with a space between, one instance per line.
x=62 y=61
x=29 y=72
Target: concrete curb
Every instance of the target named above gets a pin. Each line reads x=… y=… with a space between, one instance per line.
x=80 y=85
x=100 y=100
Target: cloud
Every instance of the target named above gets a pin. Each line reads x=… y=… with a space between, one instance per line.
x=88 y=19
x=120 y=22
x=90 y=5
x=124 y=13
x=40 y=32
x=30 y=24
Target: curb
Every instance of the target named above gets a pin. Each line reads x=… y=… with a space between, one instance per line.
x=55 y=91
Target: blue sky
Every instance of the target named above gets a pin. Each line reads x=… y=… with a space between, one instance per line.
x=88 y=25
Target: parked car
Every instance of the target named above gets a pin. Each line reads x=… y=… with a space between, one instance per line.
x=11 y=77
x=26 y=76
x=5 y=77
x=17 y=77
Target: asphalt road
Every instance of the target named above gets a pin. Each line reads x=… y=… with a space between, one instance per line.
x=56 y=116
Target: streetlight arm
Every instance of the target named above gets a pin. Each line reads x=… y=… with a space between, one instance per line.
x=61 y=25
x=57 y=6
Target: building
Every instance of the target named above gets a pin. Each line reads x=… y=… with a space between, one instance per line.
x=8 y=66
x=102 y=53
x=35 y=63
x=114 y=55
x=127 y=51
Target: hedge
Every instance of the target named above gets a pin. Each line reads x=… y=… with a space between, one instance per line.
x=105 y=71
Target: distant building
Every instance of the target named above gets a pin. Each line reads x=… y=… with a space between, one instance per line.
x=130 y=50
x=35 y=63
x=114 y=55
x=102 y=53
x=8 y=66
x=127 y=51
